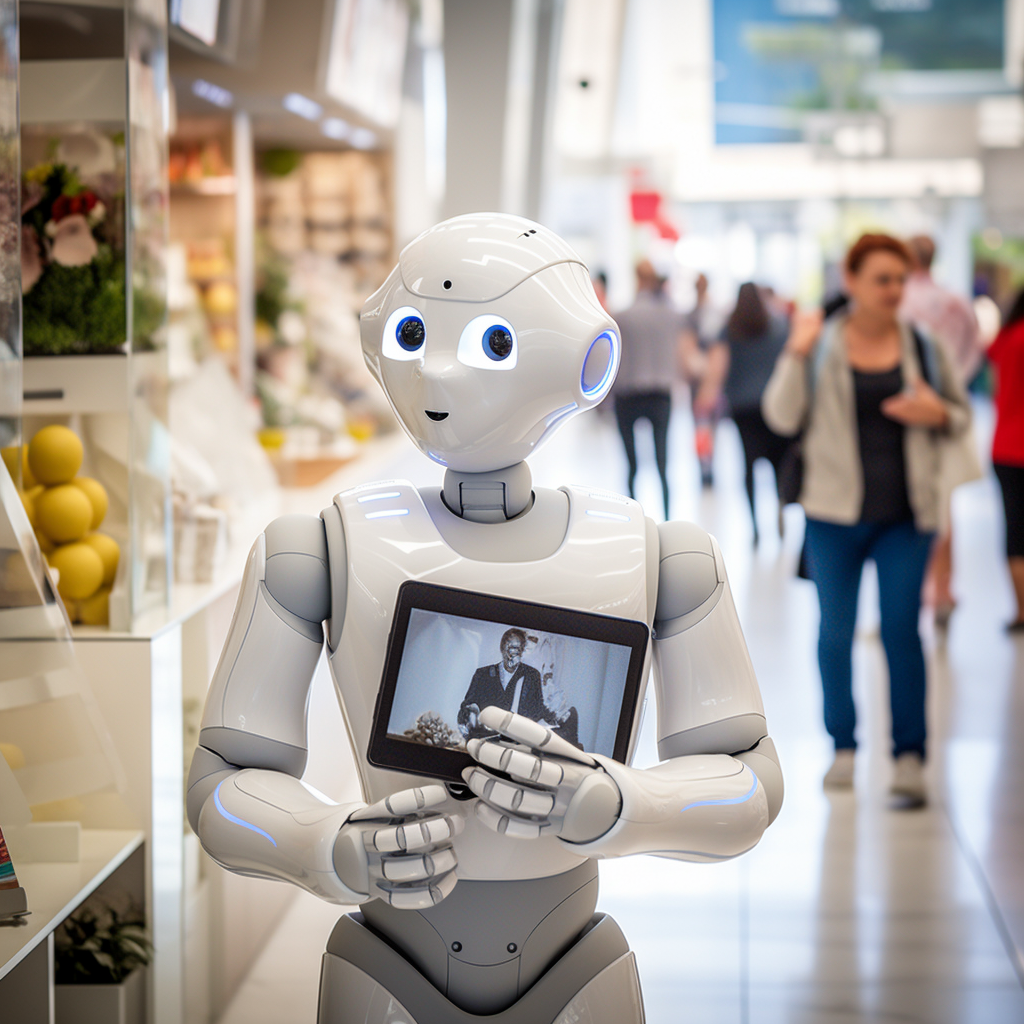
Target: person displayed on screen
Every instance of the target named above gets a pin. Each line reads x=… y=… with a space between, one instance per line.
x=508 y=684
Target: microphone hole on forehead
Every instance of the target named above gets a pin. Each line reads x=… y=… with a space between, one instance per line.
x=446 y=285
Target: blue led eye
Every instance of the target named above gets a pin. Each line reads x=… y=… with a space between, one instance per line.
x=488 y=342
x=405 y=335
x=497 y=342
x=410 y=333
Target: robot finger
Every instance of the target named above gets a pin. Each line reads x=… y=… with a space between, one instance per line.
x=415 y=835
x=403 y=804
x=516 y=762
x=507 y=795
x=421 y=897
x=507 y=824
x=524 y=730
x=418 y=868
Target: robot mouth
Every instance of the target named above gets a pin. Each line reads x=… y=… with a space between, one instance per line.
x=436 y=416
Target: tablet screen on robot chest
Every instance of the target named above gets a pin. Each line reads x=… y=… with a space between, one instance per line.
x=452 y=653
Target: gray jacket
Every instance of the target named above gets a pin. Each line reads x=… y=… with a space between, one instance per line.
x=833 y=482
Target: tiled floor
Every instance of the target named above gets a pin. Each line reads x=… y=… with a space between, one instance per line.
x=847 y=911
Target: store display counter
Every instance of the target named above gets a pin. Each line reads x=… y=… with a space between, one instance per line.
x=150 y=686
x=53 y=891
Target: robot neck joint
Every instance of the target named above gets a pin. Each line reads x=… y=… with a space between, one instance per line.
x=489 y=497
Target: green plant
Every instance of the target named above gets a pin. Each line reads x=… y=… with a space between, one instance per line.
x=101 y=948
x=76 y=309
x=279 y=163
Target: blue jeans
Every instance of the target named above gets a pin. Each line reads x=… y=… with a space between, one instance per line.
x=835 y=558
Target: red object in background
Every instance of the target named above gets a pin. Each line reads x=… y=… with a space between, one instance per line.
x=704 y=441
x=644 y=205
x=666 y=229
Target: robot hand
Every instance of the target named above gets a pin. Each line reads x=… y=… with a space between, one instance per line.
x=555 y=788
x=400 y=849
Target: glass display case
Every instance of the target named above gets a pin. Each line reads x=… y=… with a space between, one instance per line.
x=94 y=243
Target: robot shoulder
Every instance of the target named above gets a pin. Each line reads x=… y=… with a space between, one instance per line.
x=690 y=570
x=297 y=571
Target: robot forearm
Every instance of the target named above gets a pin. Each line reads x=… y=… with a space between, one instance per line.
x=268 y=824
x=703 y=807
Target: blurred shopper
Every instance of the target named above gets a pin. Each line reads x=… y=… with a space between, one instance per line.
x=950 y=321
x=872 y=429
x=650 y=331
x=1007 y=356
x=739 y=366
x=701 y=333
x=948 y=318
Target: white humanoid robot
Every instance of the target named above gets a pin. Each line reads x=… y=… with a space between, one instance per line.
x=479 y=901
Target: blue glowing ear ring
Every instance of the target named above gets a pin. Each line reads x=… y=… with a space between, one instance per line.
x=600 y=366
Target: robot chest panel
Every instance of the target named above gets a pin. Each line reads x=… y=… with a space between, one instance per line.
x=600 y=566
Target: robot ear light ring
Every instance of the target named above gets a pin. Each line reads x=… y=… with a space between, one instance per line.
x=486 y=337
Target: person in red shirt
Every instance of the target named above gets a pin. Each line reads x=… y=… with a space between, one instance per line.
x=1007 y=357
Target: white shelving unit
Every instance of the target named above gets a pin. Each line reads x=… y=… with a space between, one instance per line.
x=53 y=891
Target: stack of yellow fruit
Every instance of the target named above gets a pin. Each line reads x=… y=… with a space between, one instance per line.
x=65 y=511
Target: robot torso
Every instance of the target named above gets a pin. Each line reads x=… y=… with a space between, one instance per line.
x=575 y=548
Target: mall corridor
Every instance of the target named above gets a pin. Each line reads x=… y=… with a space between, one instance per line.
x=847 y=911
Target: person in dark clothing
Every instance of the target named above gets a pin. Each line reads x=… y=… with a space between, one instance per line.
x=739 y=366
x=651 y=330
x=509 y=685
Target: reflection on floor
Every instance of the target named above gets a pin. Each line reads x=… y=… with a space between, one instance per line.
x=847 y=911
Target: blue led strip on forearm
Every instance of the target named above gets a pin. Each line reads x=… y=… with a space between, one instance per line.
x=238 y=821
x=732 y=800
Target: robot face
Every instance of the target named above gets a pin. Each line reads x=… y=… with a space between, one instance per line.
x=486 y=337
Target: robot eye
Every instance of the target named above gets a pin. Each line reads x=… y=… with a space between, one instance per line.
x=411 y=333
x=489 y=343
x=498 y=343
x=404 y=334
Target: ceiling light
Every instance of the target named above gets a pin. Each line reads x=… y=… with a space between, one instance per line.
x=336 y=128
x=303 y=106
x=212 y=93
x=363 y=138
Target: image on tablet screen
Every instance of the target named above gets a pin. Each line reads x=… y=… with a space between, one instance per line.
x=453 y=666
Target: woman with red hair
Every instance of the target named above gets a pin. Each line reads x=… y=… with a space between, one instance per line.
x=873 y=401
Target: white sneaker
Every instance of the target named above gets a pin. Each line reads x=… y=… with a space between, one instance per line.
x=840 y=775
x=908 y=780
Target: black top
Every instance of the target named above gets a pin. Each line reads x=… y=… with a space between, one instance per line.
x=751 y=361
x=881 y=449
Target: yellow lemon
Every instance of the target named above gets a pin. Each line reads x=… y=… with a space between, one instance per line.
x=80 y=568
x=14 y=756
x=97 y=495
x=45 y=544
x=10 y=457
x=55 y=455
x=95 y=610
x=28 y=503
x=63 y=513
x=106 y=547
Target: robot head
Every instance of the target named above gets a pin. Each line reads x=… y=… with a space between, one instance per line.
x=486 y=337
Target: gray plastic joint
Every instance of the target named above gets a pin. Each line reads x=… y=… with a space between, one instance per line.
x=489 y=497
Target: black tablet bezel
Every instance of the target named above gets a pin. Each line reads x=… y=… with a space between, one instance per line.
x=387 y=751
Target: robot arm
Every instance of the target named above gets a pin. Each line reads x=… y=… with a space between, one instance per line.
x=246 y=800
x=720 y=784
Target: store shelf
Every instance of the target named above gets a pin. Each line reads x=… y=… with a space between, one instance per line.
x=222 y=185
x=55 y=890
